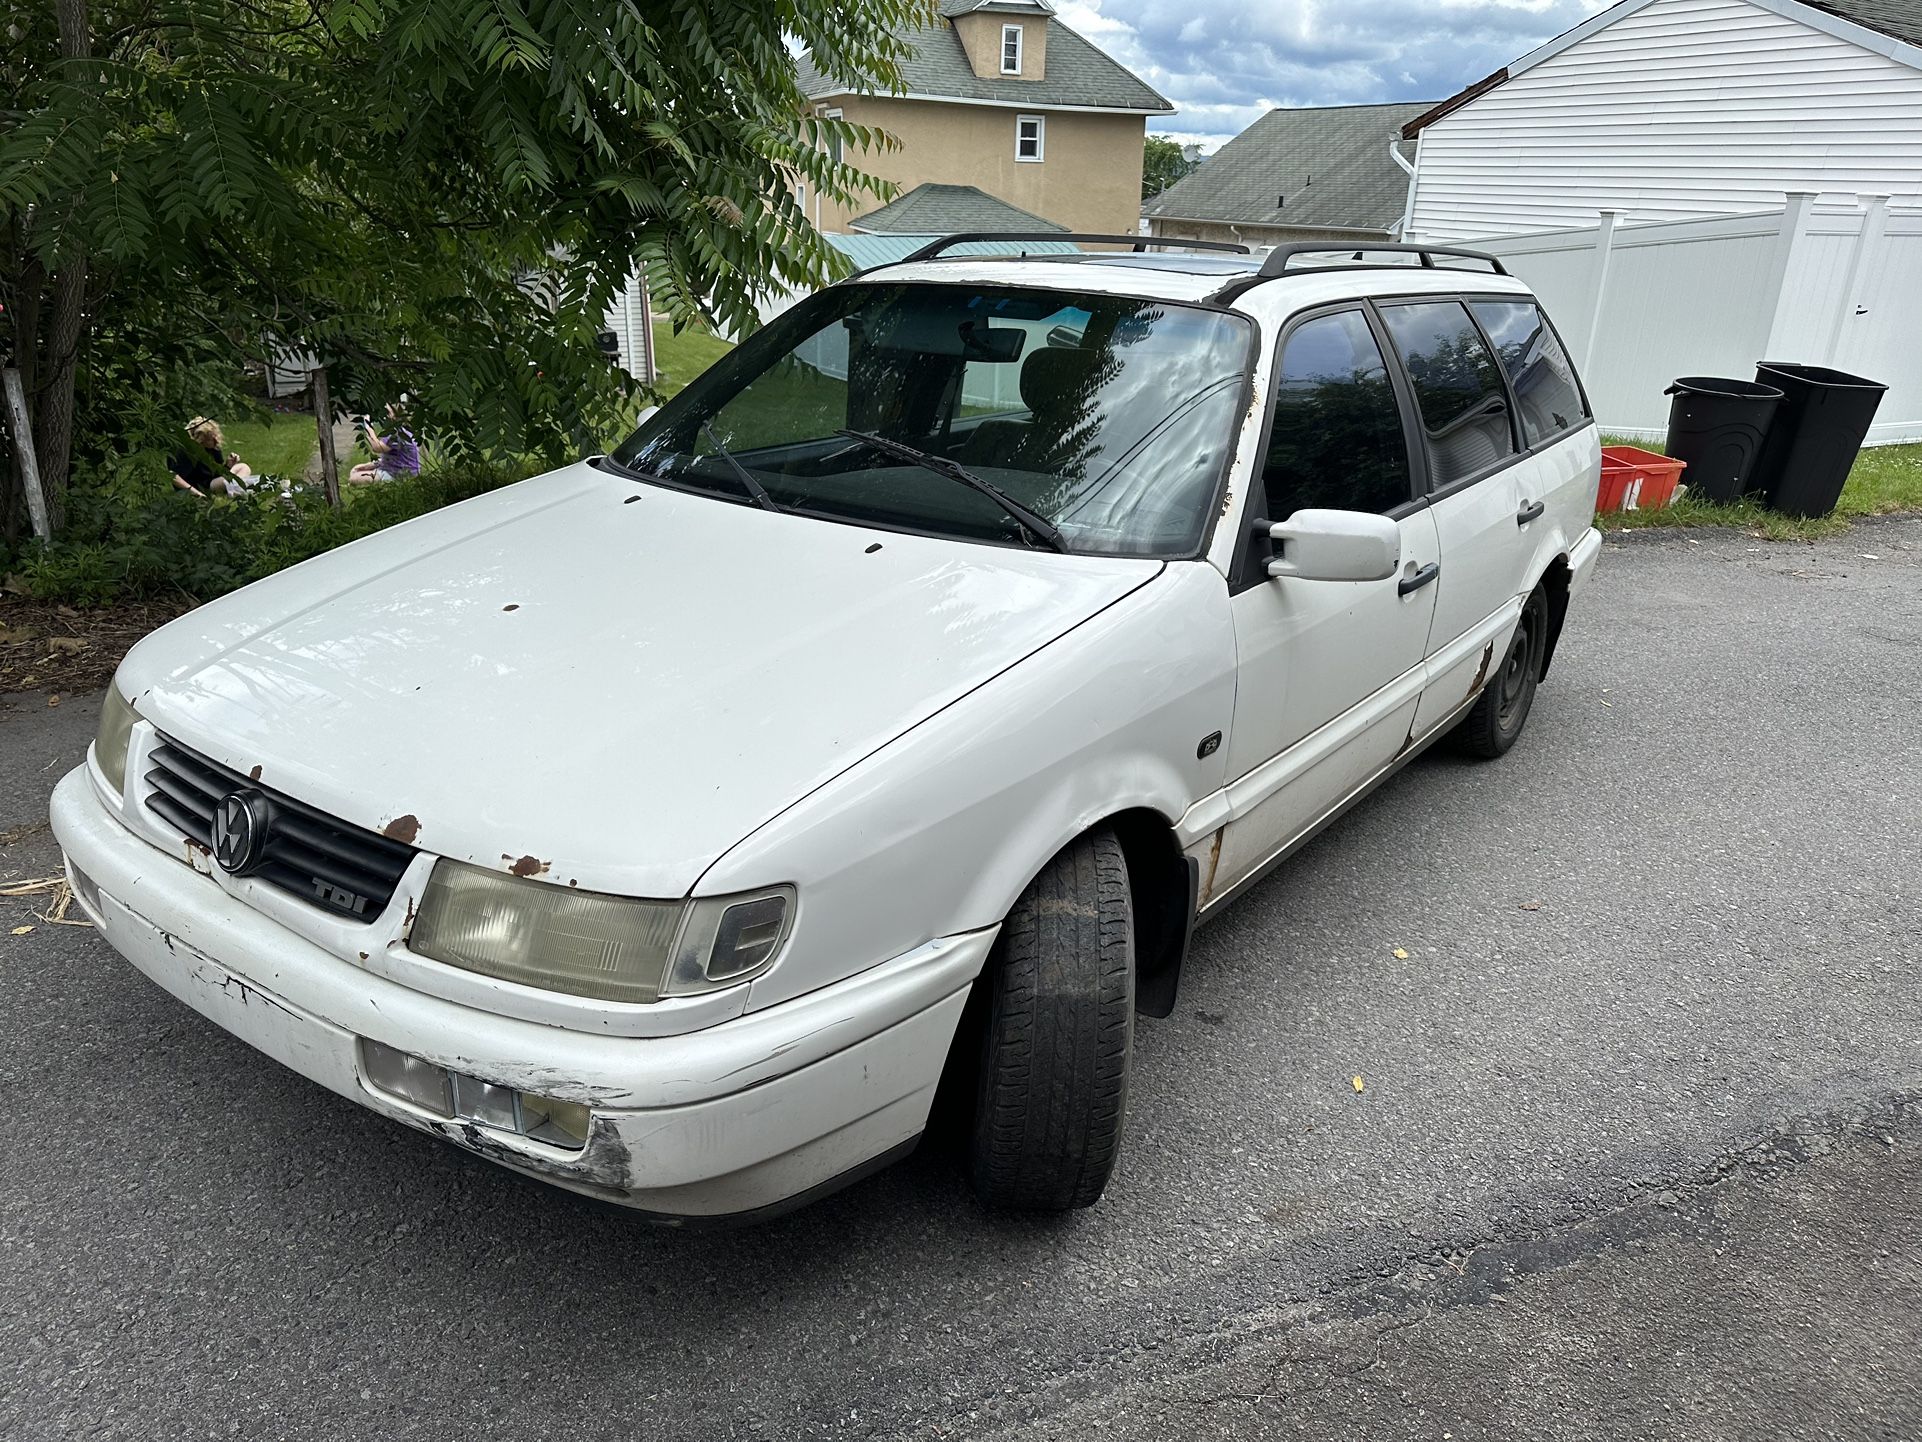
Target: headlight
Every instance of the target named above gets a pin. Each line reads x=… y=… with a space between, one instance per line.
x=110 y=740
x=611 y=948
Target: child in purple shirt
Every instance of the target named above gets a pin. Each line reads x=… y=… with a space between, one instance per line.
x=395 y=454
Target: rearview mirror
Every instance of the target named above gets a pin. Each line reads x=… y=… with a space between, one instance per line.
x=1316 y=545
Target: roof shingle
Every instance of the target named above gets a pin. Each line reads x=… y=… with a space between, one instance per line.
x=934 y=209
x=1900 y=19
x=1079 y=73
x=1324 y=167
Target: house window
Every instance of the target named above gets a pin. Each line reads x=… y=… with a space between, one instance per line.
x=1010 y=49
x=834 y=141
x=1030 y=134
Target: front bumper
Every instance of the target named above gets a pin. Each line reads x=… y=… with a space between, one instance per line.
x=737 y=1117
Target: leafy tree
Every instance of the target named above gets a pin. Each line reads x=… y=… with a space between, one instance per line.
x=1162 y=165
x=436 y=196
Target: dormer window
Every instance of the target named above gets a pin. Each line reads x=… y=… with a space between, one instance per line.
x=1010 y=49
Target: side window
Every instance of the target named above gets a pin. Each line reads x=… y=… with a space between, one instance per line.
x=1335 y=436
x=1464 y=409
x=1538 y=368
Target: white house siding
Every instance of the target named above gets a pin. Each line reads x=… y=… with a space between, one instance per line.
x=1682 y=109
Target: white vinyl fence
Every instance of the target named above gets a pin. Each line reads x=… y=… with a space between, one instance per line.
x=1835 y=285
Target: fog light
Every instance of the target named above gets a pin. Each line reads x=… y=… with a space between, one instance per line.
x=483 y=1102
x=550 y=1120
x=411 y=1078
x=453 y=1094
x=84 y=889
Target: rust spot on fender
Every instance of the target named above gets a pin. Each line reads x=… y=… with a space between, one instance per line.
x=1481 y=671
x=402 y=828
x=1214 y=864
x=254 y=775
x=526 y=866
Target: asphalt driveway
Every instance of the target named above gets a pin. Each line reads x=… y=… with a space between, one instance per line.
x=1637 y=1149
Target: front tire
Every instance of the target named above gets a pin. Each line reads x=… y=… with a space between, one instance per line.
x=1496 y=720
x=1053 y=1084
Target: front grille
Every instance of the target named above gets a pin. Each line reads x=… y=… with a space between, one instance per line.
x=307 y=853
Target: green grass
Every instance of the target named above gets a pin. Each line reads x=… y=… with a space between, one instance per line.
x=1884 y=481
x=279 y=445
x=680 y=358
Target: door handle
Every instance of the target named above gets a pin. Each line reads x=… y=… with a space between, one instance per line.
x=1421 y=578
x=1530 y=511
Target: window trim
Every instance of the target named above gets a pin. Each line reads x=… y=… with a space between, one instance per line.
x=1020 y=42
x=1248 y=568
x=1040 y=139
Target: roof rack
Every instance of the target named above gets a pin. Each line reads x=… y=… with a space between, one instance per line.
x=1276 y=262
x=1139 y=242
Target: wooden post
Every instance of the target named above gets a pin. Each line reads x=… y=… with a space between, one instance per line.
x=324 y=424
x=17 y=420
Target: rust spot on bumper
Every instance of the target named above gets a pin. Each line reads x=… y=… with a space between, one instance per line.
x=526 y=866
x=402 y=828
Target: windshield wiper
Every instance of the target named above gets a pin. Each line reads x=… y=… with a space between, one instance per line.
x=741 y=472
x=954 y=471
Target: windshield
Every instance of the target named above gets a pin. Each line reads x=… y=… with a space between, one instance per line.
x=1110 y=418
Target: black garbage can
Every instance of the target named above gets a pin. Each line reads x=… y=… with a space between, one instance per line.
x=1813 y=441
x=1716 y=424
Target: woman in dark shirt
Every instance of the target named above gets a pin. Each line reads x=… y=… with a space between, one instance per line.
x=202 y=467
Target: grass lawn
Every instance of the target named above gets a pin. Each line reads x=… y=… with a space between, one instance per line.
x=1885 y=479
x=680 y=358
x=277 y=445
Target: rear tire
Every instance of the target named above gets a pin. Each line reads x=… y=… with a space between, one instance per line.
x=1496 y=720
x=1053 y=1084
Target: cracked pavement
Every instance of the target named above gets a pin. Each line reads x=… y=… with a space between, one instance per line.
x=1637 y=1153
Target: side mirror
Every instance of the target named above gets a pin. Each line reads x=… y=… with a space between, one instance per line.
x=647 y=413
x=1316 y=545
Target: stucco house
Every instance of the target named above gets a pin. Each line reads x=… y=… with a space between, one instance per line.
x=1674 y=110
x=1309 y=173
x=1003 y=97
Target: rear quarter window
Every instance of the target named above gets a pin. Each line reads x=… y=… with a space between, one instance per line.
x=1539 y=371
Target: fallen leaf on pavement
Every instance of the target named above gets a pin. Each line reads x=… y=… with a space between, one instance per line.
x=1531 y=906
x=1357 y=1079
x=1400 y=955
x=54 y=700
x=22 y=930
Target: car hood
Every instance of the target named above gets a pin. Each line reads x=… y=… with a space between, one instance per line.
x=600 y=682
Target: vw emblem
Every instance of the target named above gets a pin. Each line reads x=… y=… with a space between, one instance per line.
x=240 y=831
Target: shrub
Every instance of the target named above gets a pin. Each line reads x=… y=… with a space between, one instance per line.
x=167 y=543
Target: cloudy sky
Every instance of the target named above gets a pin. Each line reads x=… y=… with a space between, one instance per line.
x=1224 y=62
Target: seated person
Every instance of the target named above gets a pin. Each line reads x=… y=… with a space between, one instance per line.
x=203 y=468
x=395 y=454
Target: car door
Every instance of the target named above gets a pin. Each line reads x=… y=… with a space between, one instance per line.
x=1557 y=478
x=1329 y=672
x=1474 y=491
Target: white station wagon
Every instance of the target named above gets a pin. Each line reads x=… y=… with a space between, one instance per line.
x=880 y=718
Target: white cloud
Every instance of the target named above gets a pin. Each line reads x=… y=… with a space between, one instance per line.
x=1224 y=62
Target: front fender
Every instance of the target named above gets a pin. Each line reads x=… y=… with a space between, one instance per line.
x=939 y=831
